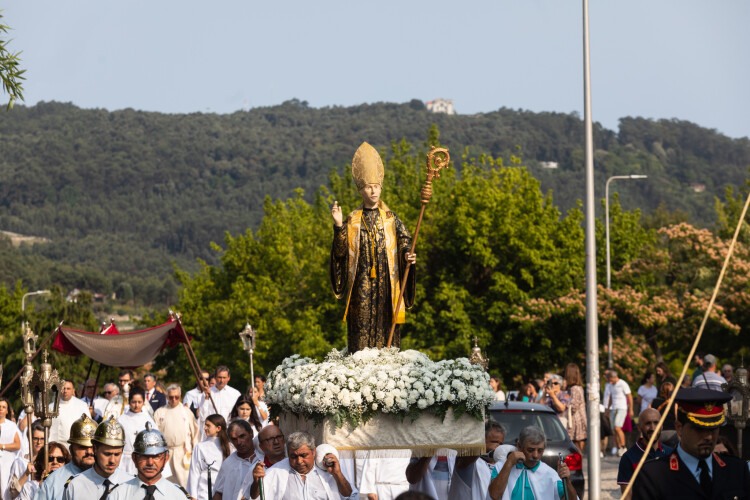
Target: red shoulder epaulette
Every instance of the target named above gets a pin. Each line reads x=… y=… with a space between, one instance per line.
x=674 y=464
x=719 y=461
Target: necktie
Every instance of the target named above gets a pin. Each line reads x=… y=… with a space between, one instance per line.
x=106 y=485
x=705 y=478
x=149 y=492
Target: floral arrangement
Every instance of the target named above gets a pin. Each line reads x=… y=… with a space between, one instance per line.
x=353 y=388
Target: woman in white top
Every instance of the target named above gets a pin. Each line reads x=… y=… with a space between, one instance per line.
x=58 y=456
x=10 y=443
x=497 y=386
x=133 y=421
x=647 y=391
x=22 y=469
x=246 y=410
x=209 y=453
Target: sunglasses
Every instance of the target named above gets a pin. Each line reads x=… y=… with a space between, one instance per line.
x=59 y=460
x=108 y=392
x=173 y=398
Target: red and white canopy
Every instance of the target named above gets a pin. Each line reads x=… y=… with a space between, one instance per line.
x=123 y=349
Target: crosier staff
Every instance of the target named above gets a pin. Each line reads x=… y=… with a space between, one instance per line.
x=437 y=159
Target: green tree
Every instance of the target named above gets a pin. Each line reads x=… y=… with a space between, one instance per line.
x=11 y=73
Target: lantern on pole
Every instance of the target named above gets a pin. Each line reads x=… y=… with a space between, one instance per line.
x=476 y=357
x=247 y=335
x=45 y=387
x=738 y=406
x=27 y=398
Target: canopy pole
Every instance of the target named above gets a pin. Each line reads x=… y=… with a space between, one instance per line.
x=39 y=349
x=195 y=365
x=88 y=374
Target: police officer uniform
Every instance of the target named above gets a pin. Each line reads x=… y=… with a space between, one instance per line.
x=149 y=442
x=90 y=484
x=53 y=487
x=684 y=476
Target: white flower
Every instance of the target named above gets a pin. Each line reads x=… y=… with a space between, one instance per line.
x=422 y=404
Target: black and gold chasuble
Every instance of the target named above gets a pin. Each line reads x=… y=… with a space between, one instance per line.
x=371 y=301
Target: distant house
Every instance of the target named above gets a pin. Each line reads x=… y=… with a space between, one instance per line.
x=73 y=295
x=697 y=187
x=441 y=106
x=548 y=164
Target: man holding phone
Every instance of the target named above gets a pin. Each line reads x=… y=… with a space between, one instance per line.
x=298 y=477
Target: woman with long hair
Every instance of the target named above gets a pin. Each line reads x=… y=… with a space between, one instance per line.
x=208 y=454
x=245 y=409
x=663 y=374
x=646 y=392
x=10 y=443
x=58 y=456
x=577 y=422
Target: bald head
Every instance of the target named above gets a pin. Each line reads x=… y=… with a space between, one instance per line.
x=647 y=422
x=271 y=441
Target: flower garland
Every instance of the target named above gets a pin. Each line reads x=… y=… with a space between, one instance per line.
x=354 y=388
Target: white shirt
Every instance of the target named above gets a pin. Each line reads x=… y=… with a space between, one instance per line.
x=89 y=484
x=224 y=400
x=134 y=490
x=618 y=392
x=132 y=424
x=386 y=477
x=232 y=476
x=206 y=453
x=192 y=398
x=647 y=395
x=97 y=404
x=284 y=483
x=70 y=411
x=28 y=492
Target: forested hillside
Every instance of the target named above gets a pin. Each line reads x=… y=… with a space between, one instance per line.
x=123 y=194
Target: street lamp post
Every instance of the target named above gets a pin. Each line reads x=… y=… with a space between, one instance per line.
x=23 y=302
x=247 y=335
x=610 y=362
x=738 y=407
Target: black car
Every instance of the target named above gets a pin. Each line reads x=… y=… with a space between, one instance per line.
x=515 y=416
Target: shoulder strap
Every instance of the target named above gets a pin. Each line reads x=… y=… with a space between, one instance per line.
x=187 y=495
x=68 y=482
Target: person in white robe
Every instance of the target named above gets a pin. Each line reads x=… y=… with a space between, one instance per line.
x=71 y=408
x=523 y=475
x=99 y=481
x=133 y=421
x=10 y=444
x=20 y=471
x=383 y=477
x=237 y=468
x=303 y=475
x=432 y=475
x=224 y=397
x=179 y=428
x=472 y=475
x=192 y=397
x=207 y=458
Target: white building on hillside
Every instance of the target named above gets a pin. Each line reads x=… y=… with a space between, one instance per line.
x=441 y=106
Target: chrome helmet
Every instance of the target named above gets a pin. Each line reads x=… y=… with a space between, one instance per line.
x=149 y=442
x=110 y=432
x=82 y=431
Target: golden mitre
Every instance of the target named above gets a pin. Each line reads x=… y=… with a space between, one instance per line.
x=367 y=166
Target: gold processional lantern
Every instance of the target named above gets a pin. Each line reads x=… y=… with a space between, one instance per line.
x=247 y=335
x=27 y=398
x=737 y=408
x=45 y=388
x=476 y=357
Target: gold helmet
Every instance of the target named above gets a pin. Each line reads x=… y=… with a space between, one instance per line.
x=82 y=431
x=110 y=432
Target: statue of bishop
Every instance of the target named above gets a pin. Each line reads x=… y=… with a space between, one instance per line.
x=368 y=257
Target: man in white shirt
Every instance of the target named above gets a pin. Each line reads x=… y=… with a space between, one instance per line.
x=709 y=379
x=472 y=475
x=223 y=397
x=150 y=455
x=618 y=403
x=234 y=471
x=99 y=481
x=94 y=402
x=117 y=405
x=192 y=397
x=71 y=409
x=299 y=477
x=383 y=478
x=179 y=428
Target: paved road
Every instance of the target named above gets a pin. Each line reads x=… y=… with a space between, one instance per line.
x=609 y=488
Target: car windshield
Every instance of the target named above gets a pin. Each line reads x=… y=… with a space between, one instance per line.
x=514 y=421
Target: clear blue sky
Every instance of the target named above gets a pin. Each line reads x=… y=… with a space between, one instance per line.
x=685 y=59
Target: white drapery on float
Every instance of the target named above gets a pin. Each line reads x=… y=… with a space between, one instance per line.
x=384 y=402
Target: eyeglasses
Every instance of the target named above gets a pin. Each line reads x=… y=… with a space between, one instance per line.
x=274 y=439
x=41 y=439
x=58 y=459
x=554 y=383
x=108 y=392
x=173 y=398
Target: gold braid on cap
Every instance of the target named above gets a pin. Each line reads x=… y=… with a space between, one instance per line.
x=367 y=166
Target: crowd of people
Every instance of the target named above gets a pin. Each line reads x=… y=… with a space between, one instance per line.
x=141 y=439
